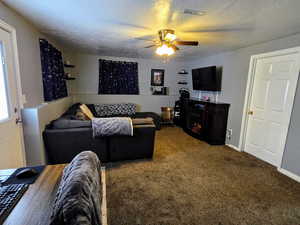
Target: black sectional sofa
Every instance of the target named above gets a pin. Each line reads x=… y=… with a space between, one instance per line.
x=66 y=137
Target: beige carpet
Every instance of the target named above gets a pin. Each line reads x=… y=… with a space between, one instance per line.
x=190 y=182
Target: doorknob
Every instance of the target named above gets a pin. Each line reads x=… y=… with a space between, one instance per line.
x=18 y=121
x=250 y=113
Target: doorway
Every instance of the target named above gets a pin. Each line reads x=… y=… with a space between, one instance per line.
x=11 y=136
x=269 y=102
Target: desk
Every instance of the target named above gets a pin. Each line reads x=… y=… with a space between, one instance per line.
x=35 y=206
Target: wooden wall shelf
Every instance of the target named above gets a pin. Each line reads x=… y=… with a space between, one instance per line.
x=69 y=66
x=70 y=78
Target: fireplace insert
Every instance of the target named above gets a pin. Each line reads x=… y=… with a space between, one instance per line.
x=206 y=121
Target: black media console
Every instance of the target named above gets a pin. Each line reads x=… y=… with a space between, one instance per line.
x=206 y=121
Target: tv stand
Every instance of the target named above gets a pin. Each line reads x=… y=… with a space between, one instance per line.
x=205 y=120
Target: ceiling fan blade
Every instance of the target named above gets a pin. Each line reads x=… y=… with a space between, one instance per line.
x=150 y=46
x=191 y=43
x=147 y=38
x=219 y=30
x=136 y=26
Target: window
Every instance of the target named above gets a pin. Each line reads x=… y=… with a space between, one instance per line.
x=4 y=114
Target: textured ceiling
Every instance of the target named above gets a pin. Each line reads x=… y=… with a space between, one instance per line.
x=113 y=27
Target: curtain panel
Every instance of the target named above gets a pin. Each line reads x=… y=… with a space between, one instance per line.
x=53 y=73
x=119 y=78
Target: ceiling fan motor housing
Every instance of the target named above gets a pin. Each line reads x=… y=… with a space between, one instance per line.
x=163 y=33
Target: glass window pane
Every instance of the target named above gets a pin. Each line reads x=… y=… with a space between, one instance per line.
x=3 y=88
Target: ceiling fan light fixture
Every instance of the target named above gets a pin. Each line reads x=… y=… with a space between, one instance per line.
x=165 y=50
x=170 y=37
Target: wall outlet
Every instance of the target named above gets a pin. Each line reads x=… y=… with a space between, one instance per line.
x=229 y=133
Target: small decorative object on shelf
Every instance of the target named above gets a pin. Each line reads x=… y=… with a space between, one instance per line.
x=68 y=76
x=159 y=90
x=183 y=72
x=68 y=64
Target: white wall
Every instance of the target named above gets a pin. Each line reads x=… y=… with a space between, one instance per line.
x=34 y=121
x=29 y=55
x=36 y=113
x=235 y=71
x=88 y=78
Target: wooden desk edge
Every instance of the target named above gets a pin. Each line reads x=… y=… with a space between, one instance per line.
x=36 y=204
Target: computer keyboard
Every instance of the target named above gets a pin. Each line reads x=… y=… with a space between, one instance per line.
x=9 y=197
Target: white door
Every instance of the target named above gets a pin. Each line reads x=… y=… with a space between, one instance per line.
x=274 y=87
x=11 y=151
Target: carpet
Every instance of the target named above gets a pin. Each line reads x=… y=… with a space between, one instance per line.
x=190 y=182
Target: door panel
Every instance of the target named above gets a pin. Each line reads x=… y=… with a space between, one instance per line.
x=261 y=89
x=278 y=94
x=10 y=133
x=274 y=137
x=274 y=86
x=254 y=137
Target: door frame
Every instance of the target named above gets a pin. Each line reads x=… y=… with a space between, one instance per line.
x=12 y=31
x=249 y=91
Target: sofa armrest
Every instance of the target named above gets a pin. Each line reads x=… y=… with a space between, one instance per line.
x=144 y=126
x=62 y=145
x=156 y=118
x=79 y=196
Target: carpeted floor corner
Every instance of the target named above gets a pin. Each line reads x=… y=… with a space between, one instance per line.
x=192 y=183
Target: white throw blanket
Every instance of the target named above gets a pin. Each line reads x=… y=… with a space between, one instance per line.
x=112 y=126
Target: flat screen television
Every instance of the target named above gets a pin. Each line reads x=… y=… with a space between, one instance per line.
x=207 y=78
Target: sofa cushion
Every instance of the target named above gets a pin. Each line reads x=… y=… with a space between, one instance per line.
x=104 y=110
x=67 y=122
x=92 y=108
x=72 y=110
x=81 y=116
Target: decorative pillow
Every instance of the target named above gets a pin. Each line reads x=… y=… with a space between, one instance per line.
x=86 y=111
x=104 y=110
x=72 y=109
x=65 y=123
x=81 y=116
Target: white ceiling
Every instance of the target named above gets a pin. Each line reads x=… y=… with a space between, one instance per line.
x=111 y=27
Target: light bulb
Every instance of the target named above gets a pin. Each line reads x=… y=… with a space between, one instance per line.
x=165 y=50
x=170 y=51
x=170 y=37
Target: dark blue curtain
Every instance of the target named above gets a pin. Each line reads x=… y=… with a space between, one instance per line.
x=53 y=72
x=117 y=77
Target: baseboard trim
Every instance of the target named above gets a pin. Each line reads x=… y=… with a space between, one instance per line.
x=289 y=174
x=104 y=202
x=234 y=147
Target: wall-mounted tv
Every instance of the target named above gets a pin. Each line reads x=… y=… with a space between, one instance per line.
x=207 y=78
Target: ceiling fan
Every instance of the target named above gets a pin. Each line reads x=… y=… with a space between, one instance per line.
x=167 y=42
